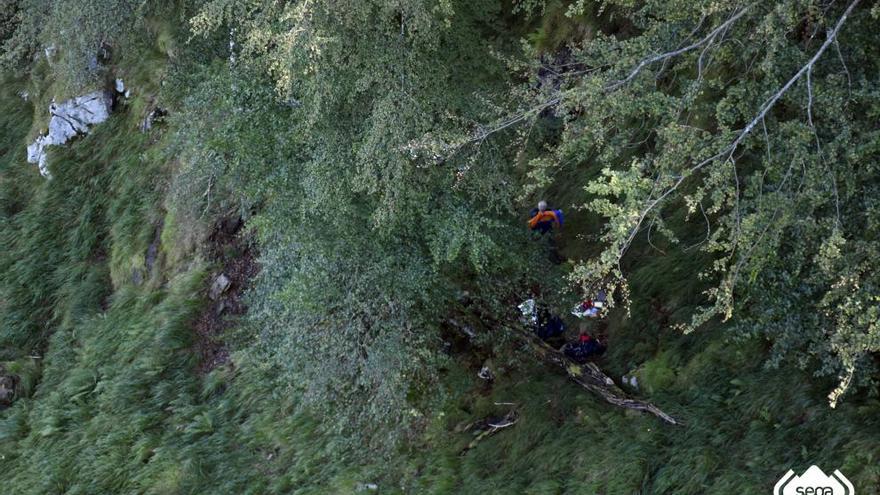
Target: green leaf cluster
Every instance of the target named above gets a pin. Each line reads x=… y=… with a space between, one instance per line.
x=672 y=111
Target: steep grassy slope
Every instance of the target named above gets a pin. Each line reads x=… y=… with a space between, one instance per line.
x=110 y=400
x=743 y=424
x=112 y=397
x=115 y=404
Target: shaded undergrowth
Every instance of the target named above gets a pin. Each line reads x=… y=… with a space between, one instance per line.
x=110 y=398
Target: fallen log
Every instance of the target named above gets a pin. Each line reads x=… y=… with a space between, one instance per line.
x=590 y=377
x=488 y=427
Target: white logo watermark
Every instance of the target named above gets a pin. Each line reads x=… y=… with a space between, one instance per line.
x=813 y=482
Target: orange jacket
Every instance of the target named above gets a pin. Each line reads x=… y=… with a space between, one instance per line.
x=544 y=216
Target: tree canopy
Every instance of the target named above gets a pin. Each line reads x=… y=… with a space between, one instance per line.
x=384 y=154
x=757 y=120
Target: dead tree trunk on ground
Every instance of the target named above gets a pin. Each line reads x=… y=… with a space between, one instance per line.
x=590 y=377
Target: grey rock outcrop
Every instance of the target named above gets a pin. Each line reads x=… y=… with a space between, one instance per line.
x=69 y=119
x=119 y=85
x=220 y=285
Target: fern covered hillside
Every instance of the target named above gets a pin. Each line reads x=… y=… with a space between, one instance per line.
x=482 y=246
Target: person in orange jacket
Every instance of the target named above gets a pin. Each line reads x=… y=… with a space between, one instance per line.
x=544 y=220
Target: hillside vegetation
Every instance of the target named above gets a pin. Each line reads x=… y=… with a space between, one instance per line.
x=361 y=172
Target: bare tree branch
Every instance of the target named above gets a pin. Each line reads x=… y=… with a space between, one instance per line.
x=663 y=56
x=770 y=223
x=689 y=36
x=482 y=134
x=819 y=146
x=590 y=377
x=708 y=230
x=810 y=97
x=653 y=221
x=728 y=151
x=845 y=69
x=490 y=427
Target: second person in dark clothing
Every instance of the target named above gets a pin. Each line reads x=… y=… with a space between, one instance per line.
x=585 y=347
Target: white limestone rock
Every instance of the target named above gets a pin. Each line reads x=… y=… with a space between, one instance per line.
x=69 y=119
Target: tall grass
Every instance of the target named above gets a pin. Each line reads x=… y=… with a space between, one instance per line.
x=112 y=403
x=116 y=404
x=744 y=425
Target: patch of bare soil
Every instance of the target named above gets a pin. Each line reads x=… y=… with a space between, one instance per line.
x=235 y=255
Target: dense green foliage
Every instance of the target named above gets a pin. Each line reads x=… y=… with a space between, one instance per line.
x=781 y=188
x=367 y=244
x=383 y=155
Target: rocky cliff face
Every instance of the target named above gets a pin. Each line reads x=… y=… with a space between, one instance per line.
x=69 y=119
